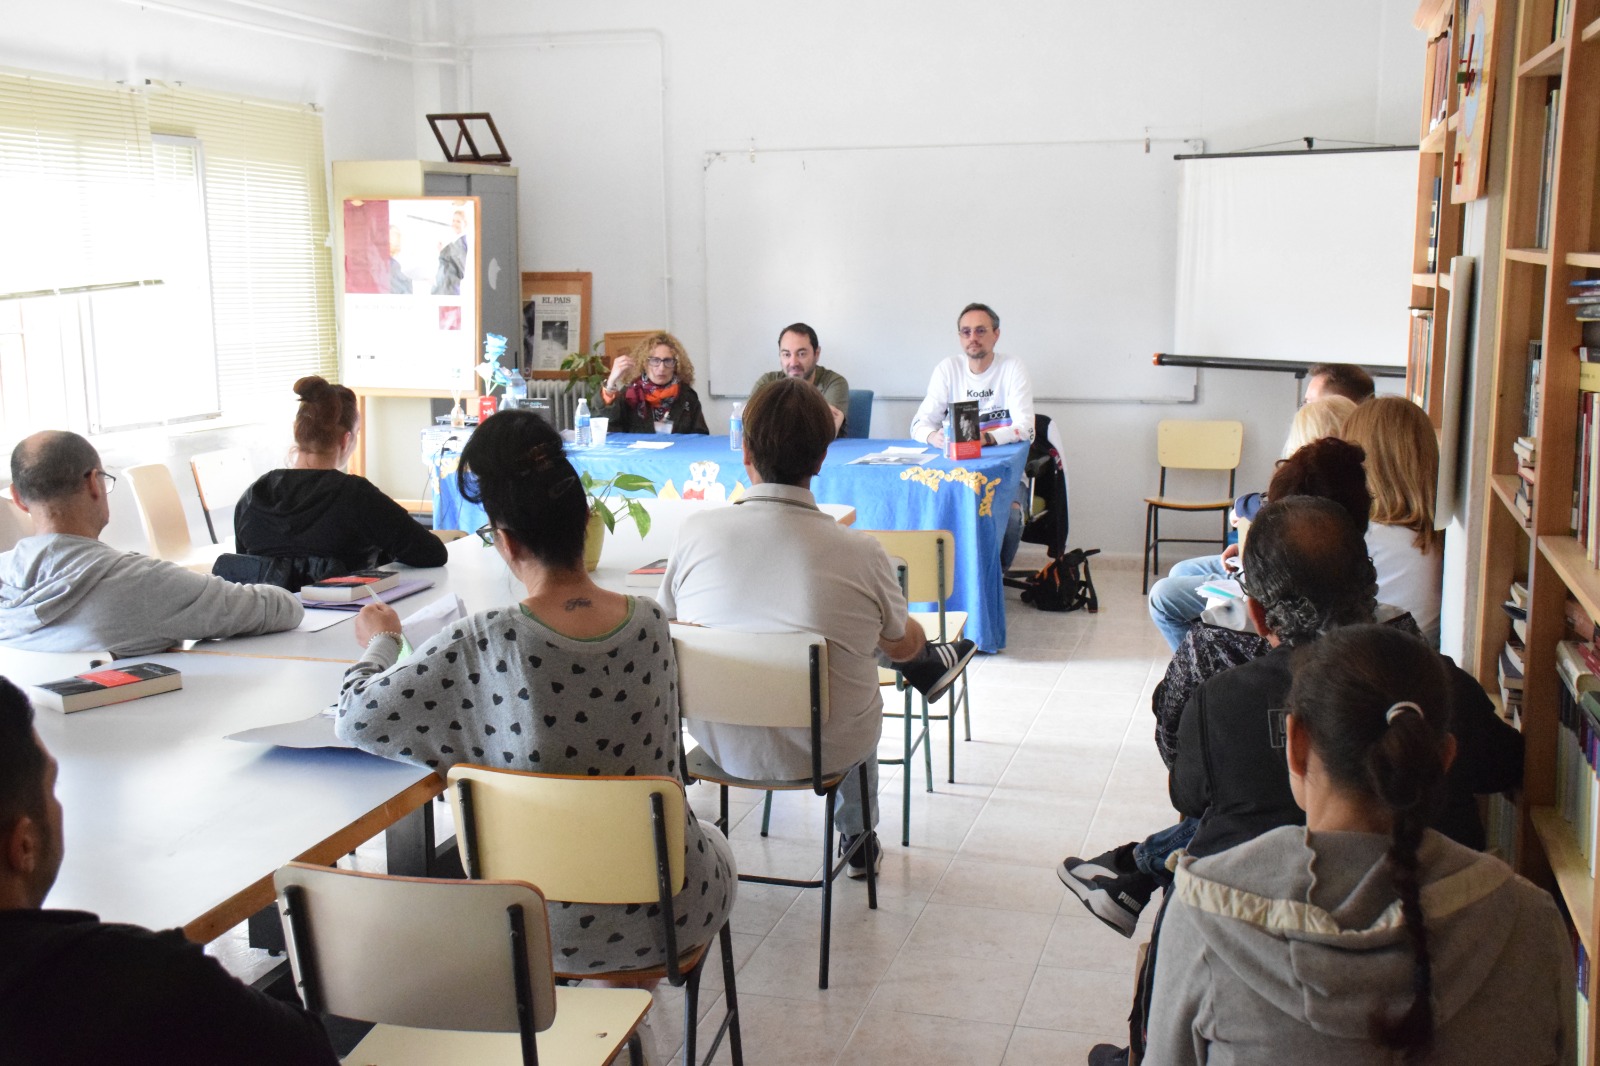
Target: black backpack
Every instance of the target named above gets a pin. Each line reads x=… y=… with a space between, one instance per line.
x=1064 y=584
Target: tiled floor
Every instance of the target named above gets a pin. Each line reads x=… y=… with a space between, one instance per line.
x=976 y=954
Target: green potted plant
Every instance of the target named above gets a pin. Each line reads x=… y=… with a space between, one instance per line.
x=586 y=373
x=604 y=510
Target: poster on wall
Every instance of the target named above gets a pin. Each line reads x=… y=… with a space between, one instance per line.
x=410 y=292
x=555 y=317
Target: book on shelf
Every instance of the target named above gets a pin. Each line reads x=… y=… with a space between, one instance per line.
x=1510 y=675
x=1527 y=448
x=1419 y=354
x=1577 y=623
x=1431 y=260
x=1530 y=394
x=1517 y=595
x=99 y=688
x=1547 y=169
x=348 y=588
x=1574 y=660
x=1582 y=968
x=1523 y=501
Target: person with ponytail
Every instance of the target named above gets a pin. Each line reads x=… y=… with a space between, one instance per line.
x=1363 y=936
x=315 y=518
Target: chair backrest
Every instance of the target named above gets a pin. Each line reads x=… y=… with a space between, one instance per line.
x=419 y=952
x=1191 y=445
x=160 y=511
x=220 y=477
x=929 y=558
x=15 y=523
x=580 y=839
x=764 y=679
x=858 y=415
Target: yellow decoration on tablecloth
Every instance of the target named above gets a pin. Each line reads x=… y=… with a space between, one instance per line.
x=669 y=491
x=980 y=485
x=738 y=492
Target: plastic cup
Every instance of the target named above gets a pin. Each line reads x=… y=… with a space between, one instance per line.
x=597 y=431
x=664 y=426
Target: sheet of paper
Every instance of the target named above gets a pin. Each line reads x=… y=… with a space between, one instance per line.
x=421 y=626
x=314 y=732
x=389 y=595
x=317 y=621
x=897 y=449
x=651 y=445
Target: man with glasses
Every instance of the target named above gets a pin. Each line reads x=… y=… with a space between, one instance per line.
x=798 y=352
x=1003 y=390
x=63 y=590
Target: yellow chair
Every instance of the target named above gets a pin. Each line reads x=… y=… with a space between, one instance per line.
x=599 y=840
x=1189 y=445
x=161 y=513
x=773 y=681
x=220 y=477
x=452 y=971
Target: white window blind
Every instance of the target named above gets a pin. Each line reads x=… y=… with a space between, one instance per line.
x=168 y=253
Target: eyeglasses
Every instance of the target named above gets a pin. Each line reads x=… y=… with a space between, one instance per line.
x=662 y=364
x=109 y=480
x=485 y=533
x=975 y=331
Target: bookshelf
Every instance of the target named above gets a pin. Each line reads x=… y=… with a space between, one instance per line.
x=1437 y=236
x=1550 y=238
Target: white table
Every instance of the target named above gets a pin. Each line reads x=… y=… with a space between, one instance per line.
x=170 y=825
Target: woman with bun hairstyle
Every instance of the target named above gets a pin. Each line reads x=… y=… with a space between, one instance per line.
x=1363 y=936
x=653 y=383
x=572 y=679
x=1402 y=461
x=317 y=518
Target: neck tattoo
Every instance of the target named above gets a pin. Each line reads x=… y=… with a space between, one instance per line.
x=578 y=601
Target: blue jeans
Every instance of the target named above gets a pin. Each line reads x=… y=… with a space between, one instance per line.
x=853 y=813
x=1013 y=534
x=1175 y=600
x=1150 y=854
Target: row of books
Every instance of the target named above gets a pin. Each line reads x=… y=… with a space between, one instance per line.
x=1442 y=64
x=1583 y=296
x=1586 y=467
x=1582 y=1004
x=1419 y=354
x=1512 y=661
x=1435 y=205
x=1578 y=749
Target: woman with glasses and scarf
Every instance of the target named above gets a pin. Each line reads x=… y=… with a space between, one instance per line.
x=571 y=680
x=651 y=387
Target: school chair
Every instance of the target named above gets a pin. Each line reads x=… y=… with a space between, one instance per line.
x=1189 y=445
x=220 y=477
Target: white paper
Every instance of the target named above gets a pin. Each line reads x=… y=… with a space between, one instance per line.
x=317 y=621
x=651 y=445
x=899 y=449
x=422 y=625
x=314 y=732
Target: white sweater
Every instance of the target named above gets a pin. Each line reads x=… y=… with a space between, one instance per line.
x=1004 y=393
x=1406 y=577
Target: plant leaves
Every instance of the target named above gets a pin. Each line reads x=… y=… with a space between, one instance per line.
x=633 y=483
x=641 y=517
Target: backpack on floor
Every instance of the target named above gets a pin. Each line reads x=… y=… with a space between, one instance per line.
x=1064 y=584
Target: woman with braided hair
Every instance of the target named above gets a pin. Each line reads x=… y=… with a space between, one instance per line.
x=1364 y=936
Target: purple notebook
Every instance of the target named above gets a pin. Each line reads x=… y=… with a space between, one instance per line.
x=389 y=595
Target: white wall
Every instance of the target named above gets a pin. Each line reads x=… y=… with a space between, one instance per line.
x=608 y=109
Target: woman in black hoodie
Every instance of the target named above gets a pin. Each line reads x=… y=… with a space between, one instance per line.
x=317 y=518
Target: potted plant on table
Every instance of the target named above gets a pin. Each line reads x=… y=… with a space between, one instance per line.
x=604 y=510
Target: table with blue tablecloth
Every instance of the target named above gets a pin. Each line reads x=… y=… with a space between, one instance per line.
x=971 y=499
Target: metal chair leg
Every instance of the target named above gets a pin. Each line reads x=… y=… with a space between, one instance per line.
x=691 y=1016
x=872 y=866
x=827 y=881
x=927 y=746
x=635 y=1049
x=729 y=992
x=905 y=784
x=1144 y=574
x=766 y=813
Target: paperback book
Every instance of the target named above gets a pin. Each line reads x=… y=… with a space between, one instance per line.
x=102 y=687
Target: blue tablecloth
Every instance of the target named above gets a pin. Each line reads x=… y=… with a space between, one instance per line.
x=971 y=499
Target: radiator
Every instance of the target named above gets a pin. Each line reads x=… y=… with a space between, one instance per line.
x=562 y=396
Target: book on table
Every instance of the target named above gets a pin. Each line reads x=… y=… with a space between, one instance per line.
x=648 y=575
x=101 y=687
x=966 y=436
x=351 y=587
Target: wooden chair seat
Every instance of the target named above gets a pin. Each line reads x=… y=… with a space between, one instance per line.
x=1188 y=505
x=703 y=767
x=1183 y=444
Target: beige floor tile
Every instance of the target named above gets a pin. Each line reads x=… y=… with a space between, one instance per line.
x=889 y=1037
x=757 y=908
x=787 y=1032
x=1000 y=885
x=788 y=969
x=884 y=928
x=950 y=986
x=744 y=946
x=1080 y=941
x=980 y=933
x=1083 y=1001
x=1070 y=766
x=1024 y=829
x=1054 y=1047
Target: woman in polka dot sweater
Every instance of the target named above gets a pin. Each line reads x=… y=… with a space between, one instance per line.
x=572 y=680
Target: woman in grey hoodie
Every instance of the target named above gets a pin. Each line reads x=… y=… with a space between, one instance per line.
x=1363 y=937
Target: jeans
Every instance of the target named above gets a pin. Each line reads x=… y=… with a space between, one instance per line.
x=1013 y=534
x=1150 y=854
x=1175 y=600
x=853 y=813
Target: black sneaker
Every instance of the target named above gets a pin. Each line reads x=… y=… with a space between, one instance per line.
x=1108 y=1055
x=1111 y=886
x=857 y=867
x=936 y=669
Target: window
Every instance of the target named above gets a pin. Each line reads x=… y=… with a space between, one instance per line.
x=174 y=259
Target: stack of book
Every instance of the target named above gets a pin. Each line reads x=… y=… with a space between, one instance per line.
x=1512 y=655
x=1584 y=299
x=1547 y=170
x=1441 y=61
x=1527 y=449
x=1419 y=355
x=1586 y=467
x=1577 y=744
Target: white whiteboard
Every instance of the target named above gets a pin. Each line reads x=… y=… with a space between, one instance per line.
x=879 y=249
x=1303 y=257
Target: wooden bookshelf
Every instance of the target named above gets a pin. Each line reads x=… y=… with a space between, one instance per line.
x=1535 y=269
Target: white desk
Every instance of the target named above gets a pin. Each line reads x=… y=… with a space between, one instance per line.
x=168 y=824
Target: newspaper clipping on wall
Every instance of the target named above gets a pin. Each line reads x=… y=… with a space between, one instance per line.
x=554 y=324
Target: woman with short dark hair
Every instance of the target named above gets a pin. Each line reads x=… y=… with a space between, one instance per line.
x=571 y=680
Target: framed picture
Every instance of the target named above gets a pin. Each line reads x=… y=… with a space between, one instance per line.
x=1474 y=40
x=555 y=314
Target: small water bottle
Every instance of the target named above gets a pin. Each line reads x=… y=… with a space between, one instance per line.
x=580 y=424
x=736 y=428
x=516 y=388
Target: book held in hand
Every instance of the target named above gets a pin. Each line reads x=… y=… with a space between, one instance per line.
x=966 y=437
x=648 y=575
x=101 y=687
x=363 y=584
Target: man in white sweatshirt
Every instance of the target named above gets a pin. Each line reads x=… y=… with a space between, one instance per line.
x=1004 y=393
x=63 y=590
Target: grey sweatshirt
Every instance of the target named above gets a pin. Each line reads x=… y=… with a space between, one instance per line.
x=64 y=593
x=1280 y=949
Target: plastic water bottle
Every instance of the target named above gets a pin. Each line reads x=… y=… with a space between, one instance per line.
x=736 y=428
x=580 y=424
x=516 y=388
